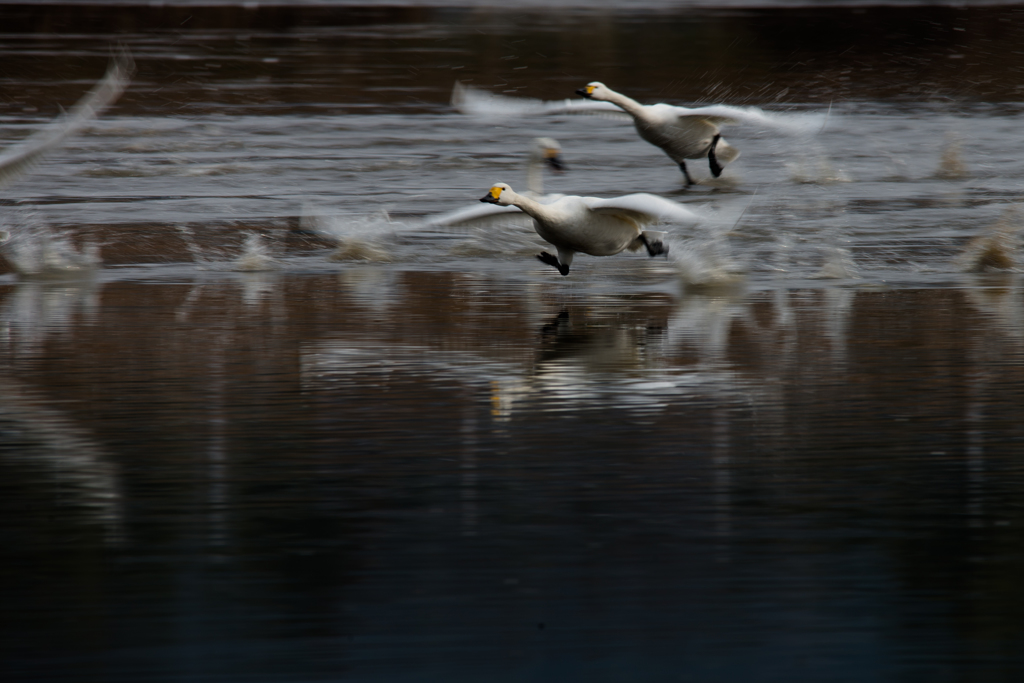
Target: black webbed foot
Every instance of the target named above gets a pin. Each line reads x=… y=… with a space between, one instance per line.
x=689 y=180
x=716 y=168
x=658 y=248
x=550 y=260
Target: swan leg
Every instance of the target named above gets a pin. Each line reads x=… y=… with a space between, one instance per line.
x=689 y=180
x=655 y=246
x=550 y=260
x=716 y=168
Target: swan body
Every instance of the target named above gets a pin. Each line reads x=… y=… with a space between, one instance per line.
x=599 y=227
x=680 y=132
x=23 y=156
x=543 y=153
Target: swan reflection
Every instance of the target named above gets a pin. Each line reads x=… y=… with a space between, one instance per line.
x=32 y=311
x=46 y=448
x=623 y=357
x=998 y=297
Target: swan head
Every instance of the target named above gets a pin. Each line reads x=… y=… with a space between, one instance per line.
x=595 y=90
x=501 y=194
x=548 y=151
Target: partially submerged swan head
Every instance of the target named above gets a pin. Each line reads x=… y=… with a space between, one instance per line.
x=547 y=151
x=595 y=91
x=501 y=194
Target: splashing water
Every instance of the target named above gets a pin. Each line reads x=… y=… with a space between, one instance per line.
x=705 y=264
x=952 y=165
x=359 y=238
x=815 y=169
x=36 y=250
x=190 y=242
x=511 y=236
x=256 y=255
x=838 y=264
x=706 y=261
x=996 y=249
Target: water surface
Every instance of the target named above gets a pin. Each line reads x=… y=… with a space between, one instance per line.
x=236 y=449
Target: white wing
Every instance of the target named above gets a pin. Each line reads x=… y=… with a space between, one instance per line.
x=792 y=123
x=22 y=157
x=483 y=104
x=469 y=214
x=645 y=208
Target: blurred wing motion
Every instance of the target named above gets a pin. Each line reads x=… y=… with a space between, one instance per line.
x=483 y=104
x=543 y=153
x=23 y=156
x=722 y=114
x=470 y=214
x=643 y=208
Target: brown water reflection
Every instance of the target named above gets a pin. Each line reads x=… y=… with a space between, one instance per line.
x=443 y=453
x=198 y=59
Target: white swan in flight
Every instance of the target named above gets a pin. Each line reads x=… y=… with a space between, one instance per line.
x=26 y=154
x=544 y=152
x=682 y=132
x=599 y=227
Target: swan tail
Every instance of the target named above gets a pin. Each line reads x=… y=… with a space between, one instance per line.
x=725 y=152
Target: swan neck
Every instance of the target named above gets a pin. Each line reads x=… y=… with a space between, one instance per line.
x=627 y=104
x=526 y=204
x=535 y=177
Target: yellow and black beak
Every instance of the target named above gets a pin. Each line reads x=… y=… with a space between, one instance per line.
x=492 y=196
x=587 y=92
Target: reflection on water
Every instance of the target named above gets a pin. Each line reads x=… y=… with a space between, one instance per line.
x=36 y=310
x=455 y=468
x=44 y=453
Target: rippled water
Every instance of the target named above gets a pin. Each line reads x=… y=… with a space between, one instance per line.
x=262 y=419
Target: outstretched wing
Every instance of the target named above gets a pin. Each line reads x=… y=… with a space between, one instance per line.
x=721 y=114
x=470 y=214
x=483 y=104
x=644 y=208
x=23 y=156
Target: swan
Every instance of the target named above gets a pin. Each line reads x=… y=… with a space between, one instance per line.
x=680 y=132
x=599 y=227
x=684 y=133
x=543 y=152
x=23 y=156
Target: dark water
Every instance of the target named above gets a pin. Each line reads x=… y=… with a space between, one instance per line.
x=792 y=451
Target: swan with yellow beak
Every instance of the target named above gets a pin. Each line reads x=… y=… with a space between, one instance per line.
x=682 y=133
x=589 y=225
